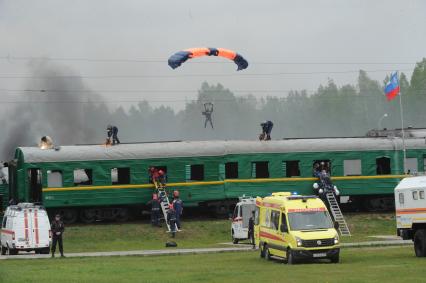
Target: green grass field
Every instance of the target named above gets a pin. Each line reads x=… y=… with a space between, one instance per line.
x=196 y=233
x=357 y=265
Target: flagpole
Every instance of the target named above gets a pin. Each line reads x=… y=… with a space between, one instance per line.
x=402 y=130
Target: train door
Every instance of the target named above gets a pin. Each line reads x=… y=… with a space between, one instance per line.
x=13 y=181
x=35 y=184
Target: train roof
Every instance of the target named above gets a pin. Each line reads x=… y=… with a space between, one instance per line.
x=209 y=148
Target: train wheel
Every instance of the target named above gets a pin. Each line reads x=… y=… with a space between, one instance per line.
x=122 y=215
x=88 y=215
x=68 y=215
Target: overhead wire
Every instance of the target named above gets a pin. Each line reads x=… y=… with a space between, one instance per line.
x=157 y=60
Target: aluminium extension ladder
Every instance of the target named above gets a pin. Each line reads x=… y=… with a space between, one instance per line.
x=337 y=214
x=164 y=203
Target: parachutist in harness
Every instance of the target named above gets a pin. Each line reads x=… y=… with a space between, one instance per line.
x=266 y=131
x=112 y=131
x=208 y=110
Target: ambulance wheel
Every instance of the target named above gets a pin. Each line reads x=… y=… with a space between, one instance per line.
x=335 y=259
x=290 y=257
x=268 y=254
x=420 y=243
x=262 y=251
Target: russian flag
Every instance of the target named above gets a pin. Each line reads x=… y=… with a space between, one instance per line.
x=392 y=87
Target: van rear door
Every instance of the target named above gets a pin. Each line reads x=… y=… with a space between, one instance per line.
x=41 y=228
x=29 y=227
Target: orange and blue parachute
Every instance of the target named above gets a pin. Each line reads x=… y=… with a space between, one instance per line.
x=180 y=57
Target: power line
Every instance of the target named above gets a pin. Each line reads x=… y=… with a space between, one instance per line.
x=151 y=91
x=163 y=61
x=236 y=100
x=26 y=76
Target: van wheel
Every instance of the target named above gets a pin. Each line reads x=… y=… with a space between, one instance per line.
x=234 y=240
x=45 y=251
x=268 y=254
x=290 y=257
x=11 y=251
x=3 y=250
x=420 y=243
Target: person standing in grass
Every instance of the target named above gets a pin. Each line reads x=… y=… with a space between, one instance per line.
x=171 y=219
x=155 y=210
x=57 y=229
x=251 y=230
x=178 y=205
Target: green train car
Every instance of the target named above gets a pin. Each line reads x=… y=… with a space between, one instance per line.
x=91 y=182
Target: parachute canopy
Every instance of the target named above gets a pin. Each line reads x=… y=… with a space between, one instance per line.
x=180 y=57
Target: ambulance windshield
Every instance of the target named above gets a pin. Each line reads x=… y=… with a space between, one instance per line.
x=309 y=220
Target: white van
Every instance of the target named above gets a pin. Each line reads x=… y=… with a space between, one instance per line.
x=25 y=227
x=410 y=205
x=240 y=219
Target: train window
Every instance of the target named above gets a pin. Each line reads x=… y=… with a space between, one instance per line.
x=415 y=195
x=82 y=177
x=197 y=172
x=231 y=170
x=120 y=176
x=352 y=167
x=260 y=169
x=35 y=183
x=291 y=168
x=54 y=179
x=422 y=194
x=411 y=165
x=320 y=165
x=383 y=166
x=401 y=198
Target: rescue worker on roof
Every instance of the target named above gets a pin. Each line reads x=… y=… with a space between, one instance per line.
x=178 y=206
x=266 y=130
x=112 y=131
x=57 y=227
x=171 y=219
x=155 y=210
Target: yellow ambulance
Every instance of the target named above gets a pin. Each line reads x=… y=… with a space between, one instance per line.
x=295 y=227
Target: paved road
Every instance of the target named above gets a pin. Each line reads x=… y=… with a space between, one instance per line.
x=173 y=251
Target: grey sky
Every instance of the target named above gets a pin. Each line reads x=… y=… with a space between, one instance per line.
x=262 y=31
